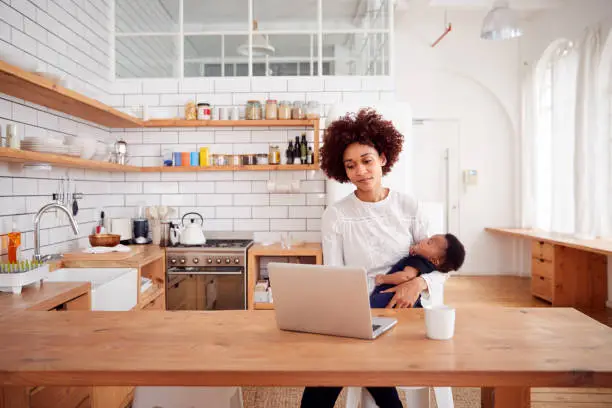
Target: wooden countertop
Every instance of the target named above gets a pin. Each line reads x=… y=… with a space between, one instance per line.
x=305 y=249
x=600 y=246
x=139 y=256
x=49 y=295
x=492 y=347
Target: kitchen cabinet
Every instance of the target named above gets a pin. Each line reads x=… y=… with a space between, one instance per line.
x=309 y=252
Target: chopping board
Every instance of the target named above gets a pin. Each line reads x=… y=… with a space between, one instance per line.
x=111 y=256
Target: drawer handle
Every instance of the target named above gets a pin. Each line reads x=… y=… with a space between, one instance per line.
x=542 y=260
x=541 y=278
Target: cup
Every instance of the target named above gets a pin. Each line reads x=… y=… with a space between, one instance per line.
x=285 y=239
x=223 y=113
x=185 y=159
x=440 y=322
x=195 y=159
x=176 y=156
x=235 y=113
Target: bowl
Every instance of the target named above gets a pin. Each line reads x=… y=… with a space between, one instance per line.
x=105 y=240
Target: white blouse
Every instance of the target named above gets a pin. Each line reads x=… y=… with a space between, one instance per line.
x=375 y=236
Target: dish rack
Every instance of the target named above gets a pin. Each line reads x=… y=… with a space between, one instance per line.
x=15 y=281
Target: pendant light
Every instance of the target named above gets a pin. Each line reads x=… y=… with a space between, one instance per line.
x=260 y=46
x=501 y=23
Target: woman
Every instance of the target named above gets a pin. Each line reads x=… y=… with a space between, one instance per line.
x=373 y=227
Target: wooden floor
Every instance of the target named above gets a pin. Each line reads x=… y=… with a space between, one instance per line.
x=515 y=292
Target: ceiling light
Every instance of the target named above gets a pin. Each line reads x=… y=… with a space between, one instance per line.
x=500 y=23
x=260 y=47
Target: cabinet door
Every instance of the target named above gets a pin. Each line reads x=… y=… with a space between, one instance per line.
x=182 y=293
x=59 y=397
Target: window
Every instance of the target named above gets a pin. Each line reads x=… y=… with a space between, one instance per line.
x=555 y=138
x=206 y=38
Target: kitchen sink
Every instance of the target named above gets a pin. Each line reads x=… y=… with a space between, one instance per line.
x=112 y=289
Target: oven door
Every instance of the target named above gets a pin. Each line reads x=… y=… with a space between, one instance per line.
x=212 y=288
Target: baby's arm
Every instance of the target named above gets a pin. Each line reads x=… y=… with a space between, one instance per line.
x=397 y=278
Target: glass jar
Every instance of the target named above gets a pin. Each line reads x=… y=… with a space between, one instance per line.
x=248 y=159
x=271 y=109
x=284 y=110
x=312 y=110
x=253 y=110
x=190 y=111
x=262 y=158
x=274 y=155
x=204 y=111
x=298 y=110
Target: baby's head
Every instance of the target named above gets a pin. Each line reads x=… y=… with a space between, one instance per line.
x=445 y=251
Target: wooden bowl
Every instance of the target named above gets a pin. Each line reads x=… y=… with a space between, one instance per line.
x=106 y=240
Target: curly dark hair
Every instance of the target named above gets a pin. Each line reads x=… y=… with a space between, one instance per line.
x=455 y=255
x=366 y=127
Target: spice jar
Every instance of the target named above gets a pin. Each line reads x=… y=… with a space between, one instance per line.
x=312 y=111
x=298 y=111
x=274 y=155
x=253 y=110
x=262 y=158
x=271 y=109
x=204 y=112
x=284 y=110
x=190 y=111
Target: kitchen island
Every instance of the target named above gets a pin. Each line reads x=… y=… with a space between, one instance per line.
x=246 y=348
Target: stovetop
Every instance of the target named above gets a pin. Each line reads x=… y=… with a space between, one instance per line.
x=218 y=244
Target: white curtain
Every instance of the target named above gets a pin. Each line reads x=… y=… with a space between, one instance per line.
x=591 y=148
x=603 y=192
x=528 y=134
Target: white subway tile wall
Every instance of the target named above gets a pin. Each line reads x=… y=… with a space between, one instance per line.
x=69 y=38
x=72 y=38
x=239 y=201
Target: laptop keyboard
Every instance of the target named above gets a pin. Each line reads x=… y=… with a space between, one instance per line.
x=375 y=327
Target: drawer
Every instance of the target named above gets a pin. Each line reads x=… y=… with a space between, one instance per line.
x=542 y=267
x=542 y=250
x=542 y=287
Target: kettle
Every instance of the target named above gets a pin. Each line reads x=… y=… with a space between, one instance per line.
x=192 y=233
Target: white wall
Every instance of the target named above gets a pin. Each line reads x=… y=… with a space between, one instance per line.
x=71 y=38
x=477 y=83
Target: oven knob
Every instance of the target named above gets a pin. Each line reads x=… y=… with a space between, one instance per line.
x=218 y=260
x=209 y=260
x=173 y=261
x=227 y=260
x=182 y=261
x=236 y=261
x=196 y=260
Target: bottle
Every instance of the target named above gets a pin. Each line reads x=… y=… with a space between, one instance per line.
x=297 y=153
x=14 y=245
x=303 y=148
x=289 y=152
x=310 y=157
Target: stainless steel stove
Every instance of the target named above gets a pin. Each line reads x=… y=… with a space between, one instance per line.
x=211 y=276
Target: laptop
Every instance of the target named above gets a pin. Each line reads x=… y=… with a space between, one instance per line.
x=322 y=299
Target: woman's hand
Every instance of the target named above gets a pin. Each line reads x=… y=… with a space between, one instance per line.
x=407 y=293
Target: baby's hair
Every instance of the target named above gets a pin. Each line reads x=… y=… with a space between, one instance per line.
x=455 y=254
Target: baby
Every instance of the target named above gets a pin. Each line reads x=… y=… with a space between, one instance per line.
x=442 y=252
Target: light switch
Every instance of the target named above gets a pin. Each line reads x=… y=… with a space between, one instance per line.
x=470 y=177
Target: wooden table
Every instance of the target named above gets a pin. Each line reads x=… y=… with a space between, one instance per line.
x=509 y=349
x=566 y=271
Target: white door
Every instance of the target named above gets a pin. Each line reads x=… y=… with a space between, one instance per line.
x=436 y=173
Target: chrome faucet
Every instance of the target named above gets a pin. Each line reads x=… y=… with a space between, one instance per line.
x=45 y=208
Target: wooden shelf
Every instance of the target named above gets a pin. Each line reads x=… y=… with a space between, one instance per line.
x=264 y=306
x=24 y=156
x=262 y=167
x=33 y=88
x=230 y=123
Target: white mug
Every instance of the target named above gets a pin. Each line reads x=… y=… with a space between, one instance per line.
x=223 y=113
x=440 y=322
x=235 y=114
